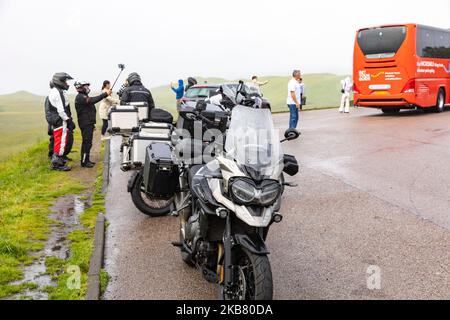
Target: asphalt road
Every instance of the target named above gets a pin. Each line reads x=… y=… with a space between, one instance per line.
x=373 y=191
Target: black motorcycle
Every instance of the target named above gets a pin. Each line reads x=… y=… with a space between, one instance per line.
x=226 y=206
x=153 y=187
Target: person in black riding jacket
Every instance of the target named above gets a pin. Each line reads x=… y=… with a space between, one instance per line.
x=136 y=92
x=87 y=115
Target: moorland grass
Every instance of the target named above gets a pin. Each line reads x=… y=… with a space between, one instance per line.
x=28 y=188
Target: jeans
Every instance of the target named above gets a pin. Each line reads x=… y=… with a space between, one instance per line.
x=293 y=120
x=104 y=126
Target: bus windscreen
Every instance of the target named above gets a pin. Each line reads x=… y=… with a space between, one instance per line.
x=381 y=43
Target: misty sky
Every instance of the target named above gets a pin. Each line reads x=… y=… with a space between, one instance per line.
x=167 y=40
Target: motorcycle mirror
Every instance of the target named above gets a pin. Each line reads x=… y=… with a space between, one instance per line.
x=291 y=134
x=240 y=92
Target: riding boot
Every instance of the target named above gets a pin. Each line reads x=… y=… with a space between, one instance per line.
x=89 y=159
x=85 y=161
x=59 y=164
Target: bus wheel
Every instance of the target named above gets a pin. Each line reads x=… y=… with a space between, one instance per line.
x=440 y=102
x=390 y=110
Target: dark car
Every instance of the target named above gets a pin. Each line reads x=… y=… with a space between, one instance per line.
x=204 y=91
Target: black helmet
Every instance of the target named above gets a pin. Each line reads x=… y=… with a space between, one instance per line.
x=192 y=81
x=133 y=77
x=81 y=86
x=59 y=80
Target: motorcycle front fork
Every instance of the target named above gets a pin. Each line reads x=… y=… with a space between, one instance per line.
x=227 y=261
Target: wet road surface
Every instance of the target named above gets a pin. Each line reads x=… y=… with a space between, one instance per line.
x=373 y=191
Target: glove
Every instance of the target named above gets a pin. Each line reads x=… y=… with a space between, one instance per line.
x=71 y=125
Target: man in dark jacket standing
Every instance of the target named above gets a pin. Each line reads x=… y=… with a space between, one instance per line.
x=87 y=115
x=136 y=92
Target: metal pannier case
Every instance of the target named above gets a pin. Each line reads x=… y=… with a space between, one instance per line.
x=123 y=119
x=139 y=143
x=142 y=110
x=156 y=127
x=161 y=174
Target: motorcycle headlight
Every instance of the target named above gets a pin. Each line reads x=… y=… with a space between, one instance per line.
x=269 y=193
x=243 y=191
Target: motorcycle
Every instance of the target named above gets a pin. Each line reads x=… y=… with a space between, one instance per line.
x=227 y=205
x=187 y=137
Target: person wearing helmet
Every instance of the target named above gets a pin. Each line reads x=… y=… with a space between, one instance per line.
x=59 y=119
x=136 y=92
x=87 y=115
x=191 y=82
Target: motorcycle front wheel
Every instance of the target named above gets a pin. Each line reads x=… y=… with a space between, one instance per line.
x=253 y=279
x=150 y=206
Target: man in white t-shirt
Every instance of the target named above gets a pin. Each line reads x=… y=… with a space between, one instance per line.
x=294 y=98
x=347 y=87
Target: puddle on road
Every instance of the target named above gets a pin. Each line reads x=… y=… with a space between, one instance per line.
x=65 y=212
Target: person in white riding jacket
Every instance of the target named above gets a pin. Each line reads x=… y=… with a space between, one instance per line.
x=59 y=119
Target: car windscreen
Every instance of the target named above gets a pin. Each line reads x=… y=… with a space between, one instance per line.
x=200 y=92
x=381 y=43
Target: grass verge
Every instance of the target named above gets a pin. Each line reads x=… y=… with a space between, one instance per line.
x=27 y=190
x=73 y=272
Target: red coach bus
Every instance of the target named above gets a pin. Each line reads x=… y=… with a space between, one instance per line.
x=402 y=67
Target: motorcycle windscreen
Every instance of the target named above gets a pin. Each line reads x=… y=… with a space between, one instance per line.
x=252 y=141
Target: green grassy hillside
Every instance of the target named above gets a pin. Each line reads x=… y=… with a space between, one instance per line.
x=22 y=121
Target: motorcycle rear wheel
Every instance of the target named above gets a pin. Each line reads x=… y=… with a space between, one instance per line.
x=149 y=206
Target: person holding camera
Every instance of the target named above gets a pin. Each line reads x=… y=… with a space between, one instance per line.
x=179 y=92
x=105 y=106
x=256 y=85
x=59 y=119
x=87 y=115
